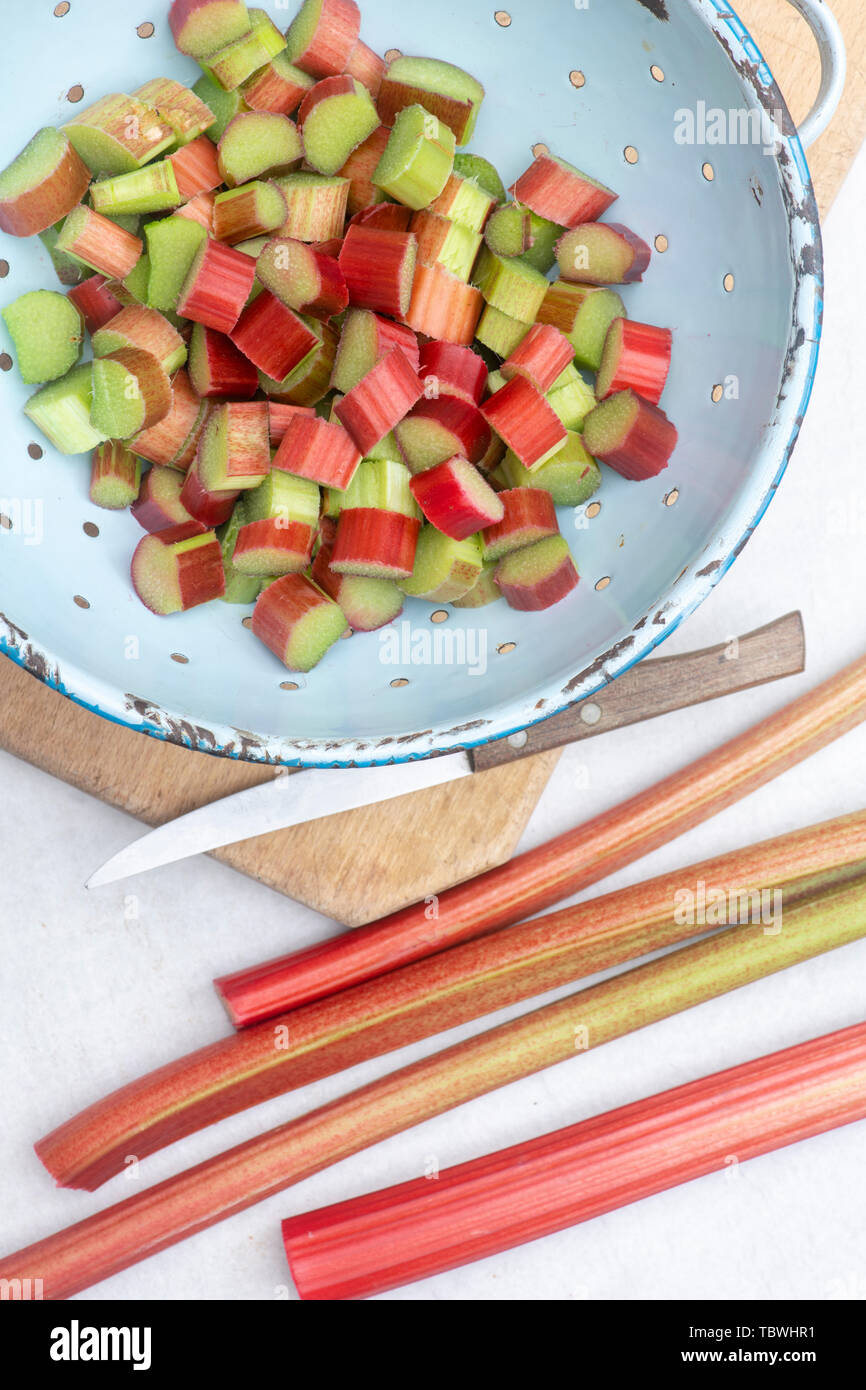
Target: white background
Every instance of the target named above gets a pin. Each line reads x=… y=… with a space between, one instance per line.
x=89 y=1000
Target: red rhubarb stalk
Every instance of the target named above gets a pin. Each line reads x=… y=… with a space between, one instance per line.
x=95 y=301
x=541 y=357
x=444 y=307
x=636 y=357
x=387 y=217
x=526 y=421
x=217 y=287
x=208 y=507
x=379 y=268
x=217 y=369
x=556 y=190
x=630 y=435
x=273 y=337
x=367 y=67
x=158 y=506
x=359 y=169
x=572 y=861
x=173 y=440
x=375 y=543
x=373 y=1243
x=320 y=450
x=450 y=370
x=380 y=401
x=323 y=35
x=196 y=168
x=455 y=498
x=281 y=416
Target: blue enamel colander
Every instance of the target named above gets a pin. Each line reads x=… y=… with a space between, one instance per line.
x=654 y=97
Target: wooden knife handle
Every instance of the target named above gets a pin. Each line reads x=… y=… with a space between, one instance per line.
x=659 y=685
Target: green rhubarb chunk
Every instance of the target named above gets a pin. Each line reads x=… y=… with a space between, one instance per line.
x=484 y=591
x=336 y=127
x=417 y=160
x=130 y=222
x=382 y=484
x=151 y=189
x=460 y=250
x=118 y=407
x=317 y=205
x=137 y=281
x=224 y=105
x=272 y=39
x=240 y=588
x=267 y=209
x=445 y=569
x=442 y=80
x=47 y=332
x=507 y=232
x=115 y=488
x=500 y=332
x=592 y=311
x=510 y=285
x=233 y=64
x=475 y=166
x=62 y=412
x=258 y=144
x=284 y=496
x=313 y=635
x=467 y=203
x=179 y=107
x=571 y=476
x=118 y=134
x=172 y=246
x=544 y=234
x=209 y=27
x=571 y=398
x=69 y=269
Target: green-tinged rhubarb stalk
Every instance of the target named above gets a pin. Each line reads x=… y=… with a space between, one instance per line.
x=150 y=1221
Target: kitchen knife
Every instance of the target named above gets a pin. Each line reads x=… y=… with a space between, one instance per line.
x=655 y=686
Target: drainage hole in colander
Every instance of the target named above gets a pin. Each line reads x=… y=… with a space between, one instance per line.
x=399 y=683
x=246 y=622
x=630 y=154
x=505 y=647
x=593 y=510
x=717 y=392
x=657 y=73
x=708 y=171
x=661 y=243
x=729 y=283
x=34 y=451
x=81 y=602
x=90 y=529
x=602 y=583
x=392 y=55
x=180 y=658
x=146 y=30
x=670 y=498
x=4 y=269
x=5 y=362
x=5 y=522
x=577 y=78
x=345 y=635
x=62 y=9
x=440 y=616
x=503 y=18
x=539 y=149
x=289 y=685
x=75 y=93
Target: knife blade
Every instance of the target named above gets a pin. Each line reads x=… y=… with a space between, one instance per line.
x=655 y=686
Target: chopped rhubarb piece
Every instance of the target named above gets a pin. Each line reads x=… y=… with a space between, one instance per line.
x=375 y=543
x=523 y=418
x=437 y=429
x=279 y=86
x=178 y=569
x=68 y=270
x=572 y=399
x=322 y=36
x=42 y=185
x=208 y=508
x=418 y=158
x=235 y=448
x=636 y=356
x=630 y=435
x=138 y=327
x=118 y=134
x=541 y=358
x=441 y=88
x=455 y=498
x=500 y=332
x=217 y=369
x=556 y=190
x=571 y=476
x=273 y=337
x=115 y=477
x=151 y=189
x=258 y=144
x=383 y=484
x=511 y=285
x=99 y=243
x=310 y=382
x=367 y=338
x=317 y=206
x=602 y=253
x=368 y=604
x=172 y=246
x=449 y=370
x=380 y=401
x=165 y=442
x=302 y=277
x=481 y=172
x=448 y=243
x=196 y=168
x=224 y=105
x=379 y=269
x=217 y=286
x=335 y=117
x=95 y=302
x=445 y=569
x=483 y=592
x=359 y=169
x=538 y=576
x=158 y=506
x=584 y=314
x=237 y=61
x=297 y=622
x=201 y=27
x=464 y=202
x=285 y=498
x=199 y=209
x=280 y=417
x=62 y=411
x=514 y=230
x=240 y=588
x=315 y=449
x=131 y=392
x=493 y=457
x=46 y=331
x=387 y=217
x=444 y=307
x=178 y=107
x=367 y=67
x=248 y=212
x=529 y=515
x=272 y=546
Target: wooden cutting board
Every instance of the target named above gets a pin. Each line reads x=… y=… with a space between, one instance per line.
x=432 y=839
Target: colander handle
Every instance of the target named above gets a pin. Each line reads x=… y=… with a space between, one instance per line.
x=831 y=46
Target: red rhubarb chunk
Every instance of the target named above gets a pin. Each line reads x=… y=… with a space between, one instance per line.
x=437 y=429
x=456 y=500
x=95 y=302
x=529 y=515
x=317 y=449
x=380 y=400
x=539 y=576
x=273 y=337
x=178 y=569
x=375 y=543
x=385 y=217
x=561 y=193
x=273 y=546
x=526 y=421
x=637 y=357
x=630 y=435
x=158 y=506
x=218 y=286
x=331 y=40
x=451 y=370
x=281 y=416
x=379 y=268
x=217 y=369
x=541 y=357
x=210 y=508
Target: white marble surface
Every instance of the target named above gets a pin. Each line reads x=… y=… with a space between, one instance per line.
x=97 y=989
